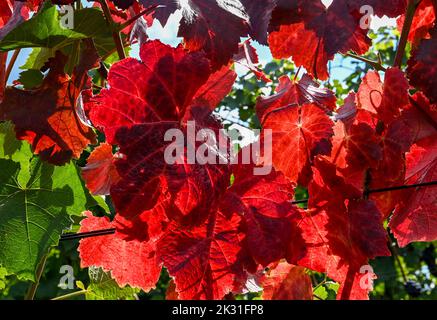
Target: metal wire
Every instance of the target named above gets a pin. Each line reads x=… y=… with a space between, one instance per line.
x=104 y=232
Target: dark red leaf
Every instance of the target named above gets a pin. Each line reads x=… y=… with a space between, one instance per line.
x=312 y=34
x=264 y=202
x=296 y=132
x=343 y=234
x=287 y=282
x=100 y=172
x=348 y=111
x=46 y=117
x=167 y=7
x=248 y=57
x=145 y=100
x=260 y=13
x=214 y=27
x=423 y=21
x=384 y=99
x=415 y=218
x=422 y=67
x=204 y=260
x=131 y=262
x=218 y=86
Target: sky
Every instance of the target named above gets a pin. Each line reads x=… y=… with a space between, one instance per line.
x=168 y=35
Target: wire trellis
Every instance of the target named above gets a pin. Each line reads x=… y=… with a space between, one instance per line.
x=105 y=232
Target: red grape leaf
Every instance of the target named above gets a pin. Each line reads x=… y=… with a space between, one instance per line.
x=339 y=244
x=342 y=143
x=254 y=220
x=131 y=262
x=5 y=11
x=287 y=282
x=248 y=57
x=419 y=158
x=362 y=147
x=341 y=232
x=415 y=218
x=217 y=26
x=423 y=21
x=217 y=87
x=171 y=293
x=214 y=27
x=296 y=131
x=326 y=183
x=348 y=111
x=260 y=13
x=270 y=219
x=306 y=90
x=310 y=91
x=312 y=34
x=384 y=99
x=420 y=117
x=160 y=88
x=100 y=172
x=167 y=7
x=145 y=100
x=422 y=67
x=284 y=13
x=205 y=260
x=390 y=172
x=46 y=117
x=145 y=174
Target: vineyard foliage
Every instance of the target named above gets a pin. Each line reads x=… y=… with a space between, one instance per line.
x=351 y=195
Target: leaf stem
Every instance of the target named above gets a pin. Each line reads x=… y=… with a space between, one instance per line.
x=400 y=52
x=115 y=32
x=392 y=246
x=377 y=65
x=3 y=58
x=11 y=64
x=30 y=295
x=137 y=16
x=297 y=73
x=71 y=295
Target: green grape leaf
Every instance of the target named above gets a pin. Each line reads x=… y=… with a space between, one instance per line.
x=88 y=23
x=321 y=293
x=16 y=150
x=103 y=287
x=37 y=201
x=3 y=274
x=38 y=58
x=31 y=78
